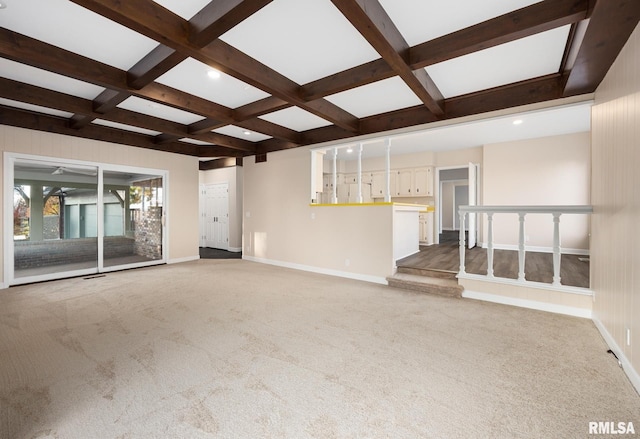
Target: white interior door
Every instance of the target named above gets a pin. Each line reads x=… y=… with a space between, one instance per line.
x=217 y=216
x=473 y=201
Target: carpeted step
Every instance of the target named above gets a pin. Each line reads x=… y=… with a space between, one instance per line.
x=429 y=272
x=426 y=284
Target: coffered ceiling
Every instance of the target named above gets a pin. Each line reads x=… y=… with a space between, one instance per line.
x=231 y=78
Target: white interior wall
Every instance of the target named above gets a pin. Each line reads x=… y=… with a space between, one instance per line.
x=615 y=258
x=281 y=227
x=545 y=171
x=182 y=215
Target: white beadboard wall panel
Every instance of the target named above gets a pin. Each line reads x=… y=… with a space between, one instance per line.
x=183 y=176
x=615 y=245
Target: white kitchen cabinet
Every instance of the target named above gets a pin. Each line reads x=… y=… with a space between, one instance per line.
x=348 y=193
x=404 y=183
x=426 y=228
x=353 y=178
x=423 y=182
x=378 y=184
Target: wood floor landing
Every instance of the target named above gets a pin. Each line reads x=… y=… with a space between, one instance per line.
x=574 y=271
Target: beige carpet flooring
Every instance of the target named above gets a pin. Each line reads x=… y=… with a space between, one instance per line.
x=234 y=349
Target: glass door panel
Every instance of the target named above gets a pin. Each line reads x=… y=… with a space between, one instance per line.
x=133 y=209
x=55 y=223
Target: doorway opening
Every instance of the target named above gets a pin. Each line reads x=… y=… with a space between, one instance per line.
x=456 y=186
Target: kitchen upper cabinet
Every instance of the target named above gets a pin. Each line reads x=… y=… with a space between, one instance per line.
x=353 y=178
x=404 y=183
x=378 y=184
x=423 y=182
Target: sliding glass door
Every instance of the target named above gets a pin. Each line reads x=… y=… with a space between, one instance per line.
x=133 y=209
x=73 y=218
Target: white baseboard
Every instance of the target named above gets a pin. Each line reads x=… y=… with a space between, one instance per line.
x=179 y=260
x=235 y=249
x=531 y=304
x=539 y=249
x=319 y=270
x=633 y=375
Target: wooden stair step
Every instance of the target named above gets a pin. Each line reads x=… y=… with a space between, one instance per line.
x=429 y=272
x=426 y=284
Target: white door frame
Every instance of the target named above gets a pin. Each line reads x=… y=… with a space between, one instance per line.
x=9 y=161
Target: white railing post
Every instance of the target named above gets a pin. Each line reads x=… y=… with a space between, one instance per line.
x=462 y=242
x=556 y=248
x=334 y=177
x=359 y=198
x=387 y=171
x=521 y=250
x=490 y=244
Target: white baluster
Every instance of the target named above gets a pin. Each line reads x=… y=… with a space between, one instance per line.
x=490 y=244
x=556 y=249
x=521 y=251
x=462 y=242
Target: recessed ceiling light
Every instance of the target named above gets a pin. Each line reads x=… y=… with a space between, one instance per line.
x=517 y=121
x=3 y=5
x=213 y=74
x=247 y=133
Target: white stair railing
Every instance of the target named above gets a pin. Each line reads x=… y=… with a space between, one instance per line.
x=521 y=211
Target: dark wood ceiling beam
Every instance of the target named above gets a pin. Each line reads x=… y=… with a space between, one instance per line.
x=375 y=25
x=34 y=95
x=216 y=151
x=259 y=108
x=204 y=126
x=219 y=16
x=220 y=163
x=610 y=25
x=104 y=102
x=52 y=124
x=358 y=76
x=155 y=64
x=280 y=132
x=152 y=20
x=539 y=17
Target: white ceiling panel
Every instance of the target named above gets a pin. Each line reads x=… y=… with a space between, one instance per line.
x=423 y=20
x=192 y=76
x=379 y=97
x=48 y=80
x=69 y=26
x=35 y=108
x=241 y=133
x=159 y=110
x=184 y=8
x=518 y=60
x=121 y=126
x=303 y=40
x=296 y=119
